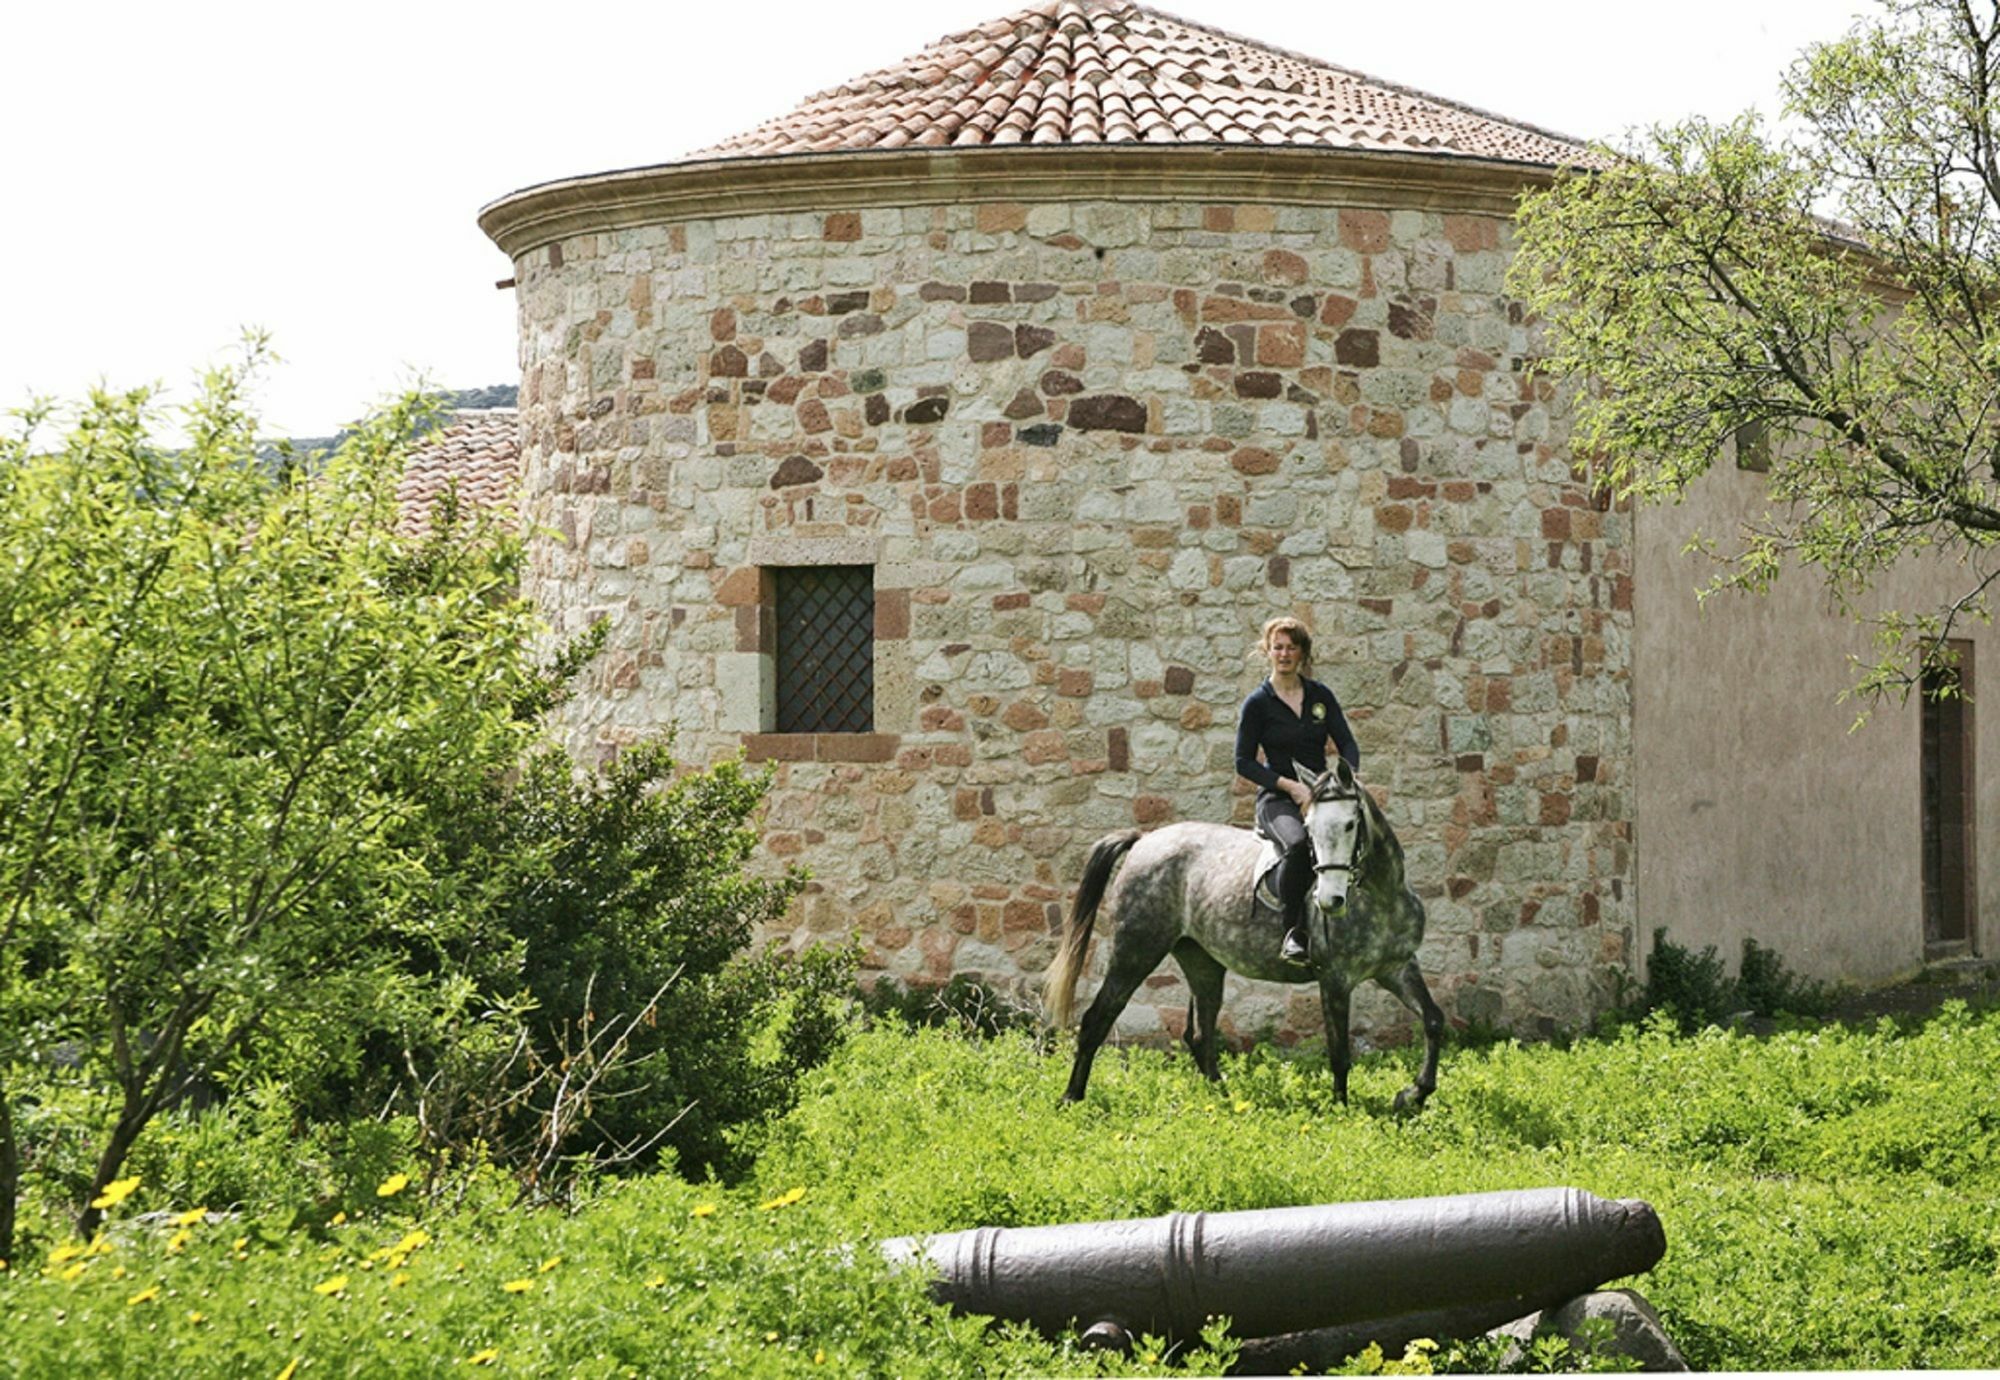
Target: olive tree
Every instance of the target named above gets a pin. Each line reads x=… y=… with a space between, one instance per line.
x=227 y=688
x=1835 y=291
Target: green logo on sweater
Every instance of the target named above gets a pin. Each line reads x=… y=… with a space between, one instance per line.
x=1319 y=710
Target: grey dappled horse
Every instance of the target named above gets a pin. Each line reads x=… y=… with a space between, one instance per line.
x=1186 y=890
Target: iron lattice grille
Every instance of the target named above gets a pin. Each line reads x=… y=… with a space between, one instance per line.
x=826 y=648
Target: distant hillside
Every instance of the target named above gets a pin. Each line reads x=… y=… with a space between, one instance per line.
x=455 y=400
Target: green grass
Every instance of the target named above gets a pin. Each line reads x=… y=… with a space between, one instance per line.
x=1829 y=1200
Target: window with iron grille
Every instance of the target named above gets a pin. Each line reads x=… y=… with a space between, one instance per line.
x=825 y=616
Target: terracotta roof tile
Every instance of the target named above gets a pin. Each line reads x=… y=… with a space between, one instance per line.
x=1089 y=71
x=479 y=452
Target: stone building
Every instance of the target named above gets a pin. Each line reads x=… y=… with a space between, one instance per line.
x=944 y=443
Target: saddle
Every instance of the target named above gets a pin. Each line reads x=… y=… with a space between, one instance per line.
x=1264 y=894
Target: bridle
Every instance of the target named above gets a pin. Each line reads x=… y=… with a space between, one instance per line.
x=1353 y=862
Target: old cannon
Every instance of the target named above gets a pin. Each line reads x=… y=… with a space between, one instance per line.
x=1313 y=1282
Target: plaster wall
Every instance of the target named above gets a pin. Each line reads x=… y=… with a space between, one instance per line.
x=1088 y=446
x=1763 y=812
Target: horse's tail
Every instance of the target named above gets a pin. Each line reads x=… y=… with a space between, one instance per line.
x=1059 y=989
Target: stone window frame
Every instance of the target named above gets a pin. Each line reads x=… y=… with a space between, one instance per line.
x=747 y=677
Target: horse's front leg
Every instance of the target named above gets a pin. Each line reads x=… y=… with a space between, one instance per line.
x=1339 y=1053
x=1413 y=992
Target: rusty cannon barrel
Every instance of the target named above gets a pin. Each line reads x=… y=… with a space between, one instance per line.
x=1472 y=1260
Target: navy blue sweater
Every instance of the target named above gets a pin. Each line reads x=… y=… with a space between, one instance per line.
x=1290 y=740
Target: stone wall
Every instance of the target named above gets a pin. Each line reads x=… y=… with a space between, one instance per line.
x=1089 y=446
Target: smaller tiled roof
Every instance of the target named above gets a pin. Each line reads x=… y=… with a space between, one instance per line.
x=478 y=452
x=1109 y=71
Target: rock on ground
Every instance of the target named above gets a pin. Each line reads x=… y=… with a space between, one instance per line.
x=1635 y=1329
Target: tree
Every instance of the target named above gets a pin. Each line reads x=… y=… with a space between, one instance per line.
x=1838 y=289
x=227 y=690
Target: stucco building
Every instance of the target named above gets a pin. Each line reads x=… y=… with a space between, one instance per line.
x=944 y=442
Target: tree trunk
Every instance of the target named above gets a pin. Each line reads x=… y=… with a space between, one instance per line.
x=10 y=1178
x=132 y=1118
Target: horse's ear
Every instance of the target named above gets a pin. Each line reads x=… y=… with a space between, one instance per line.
x=1309 y=778
x=1343 y=773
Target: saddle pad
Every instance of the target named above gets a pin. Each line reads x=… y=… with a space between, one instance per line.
x=1265 y=893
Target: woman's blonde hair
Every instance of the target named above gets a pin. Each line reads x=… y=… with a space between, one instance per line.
x=1297 y=631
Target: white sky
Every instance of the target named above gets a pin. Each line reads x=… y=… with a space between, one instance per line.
x=173 y=173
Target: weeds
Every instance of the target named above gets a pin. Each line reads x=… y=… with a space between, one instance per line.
x=1826 y=1196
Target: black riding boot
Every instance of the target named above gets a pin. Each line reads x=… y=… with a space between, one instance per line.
x=1294 y=881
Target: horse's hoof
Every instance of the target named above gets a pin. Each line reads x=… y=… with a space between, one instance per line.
x=1409 y=1101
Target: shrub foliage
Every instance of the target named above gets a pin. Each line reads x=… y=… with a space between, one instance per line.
x=266 y=825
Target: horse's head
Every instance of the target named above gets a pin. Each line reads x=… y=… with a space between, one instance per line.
x=1337 y=824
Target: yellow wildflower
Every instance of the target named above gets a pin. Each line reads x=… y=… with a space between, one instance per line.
x=116 y=1192
x=118 y=1272
x=518 y=1286
x=74 y=1272
x=337 y=1219
x=290 y=1369
x=783 y=1200
x=703 y=1210
x=402 y=1250
x=770 y=1336
x=178 y=1240
x=398 y=1280
x=100 y=1246
x=190 y=1217
x=392 y=1185
x=197 y=1317
x=331 y=1286
x=819 y=1357
x=1242 y=1107
x=239 y=1243
x=67 y=1252
x=549 y=1264
x=144 y=1296
x=656 y=1281
x=483 y=1358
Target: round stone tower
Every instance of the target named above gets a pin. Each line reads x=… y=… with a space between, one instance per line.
x=945 y=442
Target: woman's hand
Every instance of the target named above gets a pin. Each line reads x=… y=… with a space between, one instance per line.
x=1296 y=790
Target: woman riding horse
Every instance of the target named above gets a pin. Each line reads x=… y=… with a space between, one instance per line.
x=1290 y=719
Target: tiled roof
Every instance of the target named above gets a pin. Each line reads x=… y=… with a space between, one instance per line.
x=1108 y=71
x=478 y=452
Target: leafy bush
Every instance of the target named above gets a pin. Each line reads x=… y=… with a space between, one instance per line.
x=614 y=1011
x=1698 y=991
x=265 y=822
x=1767 y=987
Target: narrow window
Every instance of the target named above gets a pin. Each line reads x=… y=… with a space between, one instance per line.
x=1753 y=447
x=825 y=648
x=1947 y=805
